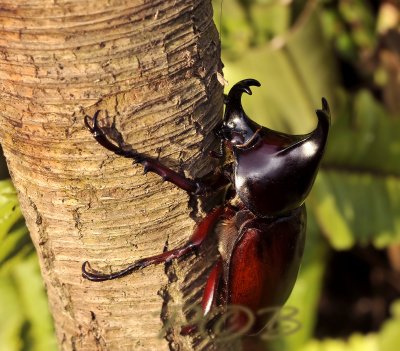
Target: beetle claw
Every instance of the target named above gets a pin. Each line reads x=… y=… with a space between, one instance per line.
x=94 y=128
x=91 y=274
x=88 y=126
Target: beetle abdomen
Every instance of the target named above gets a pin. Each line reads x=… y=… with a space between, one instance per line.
x=273 y=251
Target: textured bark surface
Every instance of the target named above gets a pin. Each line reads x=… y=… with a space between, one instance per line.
x=151 y=67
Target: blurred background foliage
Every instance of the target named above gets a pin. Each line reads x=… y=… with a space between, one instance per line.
x=348 y=51
x=25 y=321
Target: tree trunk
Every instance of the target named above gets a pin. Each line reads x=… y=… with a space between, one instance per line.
x=151 y=67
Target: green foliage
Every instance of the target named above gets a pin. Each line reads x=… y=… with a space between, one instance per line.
x=386 y=339
x=351 y=27
x=293 y=74
x=25 y=322
x=356 y=197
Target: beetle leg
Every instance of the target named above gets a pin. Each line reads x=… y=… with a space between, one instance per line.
x=197 y=238
x=210 y=290
x=149 y=164
x=209 y=296
x=165 y=257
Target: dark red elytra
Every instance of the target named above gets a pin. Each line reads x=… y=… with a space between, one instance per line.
x=261 y=242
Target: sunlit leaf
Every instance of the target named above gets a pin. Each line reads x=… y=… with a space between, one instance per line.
x=387 y=339
x=25 y=321
x=29 y=284
x=292 y=70
x=9 y=209
x=356 y=197
x=11 y=316
x=357 y=208
x=364 y=138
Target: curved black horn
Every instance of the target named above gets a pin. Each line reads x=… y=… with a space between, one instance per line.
x=241 y=87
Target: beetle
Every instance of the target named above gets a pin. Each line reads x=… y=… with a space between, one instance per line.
x=261 y=224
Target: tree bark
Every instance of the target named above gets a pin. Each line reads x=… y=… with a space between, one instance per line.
x=151 y=67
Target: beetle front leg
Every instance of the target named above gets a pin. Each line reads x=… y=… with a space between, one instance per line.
x=149 y=164
x=197 y=238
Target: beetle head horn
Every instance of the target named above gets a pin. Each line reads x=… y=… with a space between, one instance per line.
x=235 y=94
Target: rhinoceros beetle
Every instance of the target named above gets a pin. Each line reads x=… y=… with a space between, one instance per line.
x=262 y=221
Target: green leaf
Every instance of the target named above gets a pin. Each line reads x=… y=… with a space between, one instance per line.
x=294 y=74
x=25 y=321
x=11 y=316
x=246 y=24
x=10 y=212
x=14 y=247
x=364 y=138
x=355 y=342
x=356 y=197
x=357 y=208
x=39 y=332
x=387 y=339
x=14 y=239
